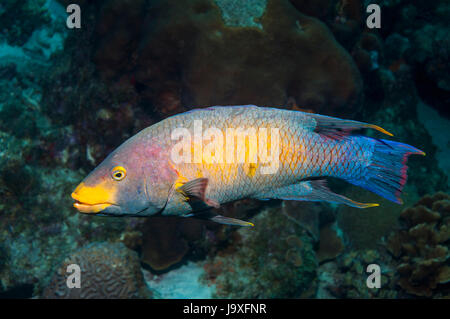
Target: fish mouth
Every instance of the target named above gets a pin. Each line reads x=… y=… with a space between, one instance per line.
x=91 y=208
x=92 y=199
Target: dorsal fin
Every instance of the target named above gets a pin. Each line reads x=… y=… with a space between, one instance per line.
x=335 y=128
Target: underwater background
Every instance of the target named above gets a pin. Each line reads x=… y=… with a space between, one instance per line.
x=68 y=97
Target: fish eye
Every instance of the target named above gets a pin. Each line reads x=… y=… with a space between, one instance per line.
x=118 y=173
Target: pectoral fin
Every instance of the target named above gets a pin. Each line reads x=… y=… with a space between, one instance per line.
x=312 y=191
x=196 y=190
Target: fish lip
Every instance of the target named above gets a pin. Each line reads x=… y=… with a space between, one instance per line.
x=91 y=208
x=88 y=208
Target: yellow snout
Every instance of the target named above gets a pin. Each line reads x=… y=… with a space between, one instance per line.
x=93 y=199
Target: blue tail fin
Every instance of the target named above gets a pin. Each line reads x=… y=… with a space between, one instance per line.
x=387 y=173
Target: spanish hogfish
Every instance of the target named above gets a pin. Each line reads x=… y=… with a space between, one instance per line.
x=145 y=176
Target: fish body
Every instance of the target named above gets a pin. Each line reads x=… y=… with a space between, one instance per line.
x=191 y=162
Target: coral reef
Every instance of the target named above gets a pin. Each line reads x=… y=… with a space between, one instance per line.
x=275 y=259
x=364 y=229
x=346 y=276
x=319 y=220
x=173 y=61
x=392 y=63
x=421 y=247
x=331 y=244
x=184 y=282
x=389 y=104
x=435 y=125
x=39 y=157
x=20 y=18
x=107 y=271
x=414 y=57
x=305 y=214
x=164 y=243
x=69 y=97
x=238 y=14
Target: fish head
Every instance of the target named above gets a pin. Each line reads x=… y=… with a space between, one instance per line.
x=120 y=184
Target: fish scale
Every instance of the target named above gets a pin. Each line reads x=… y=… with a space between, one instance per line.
x=321 y=156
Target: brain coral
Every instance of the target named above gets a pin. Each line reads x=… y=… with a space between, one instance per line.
x=421 y=247
x=107 y=271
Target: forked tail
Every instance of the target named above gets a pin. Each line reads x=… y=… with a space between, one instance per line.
x=387 y=172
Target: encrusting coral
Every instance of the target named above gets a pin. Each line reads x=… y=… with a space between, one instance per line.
x=107 y=271
x=421 y=247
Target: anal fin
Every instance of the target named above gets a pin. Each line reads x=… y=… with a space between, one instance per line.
x=312 y=191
